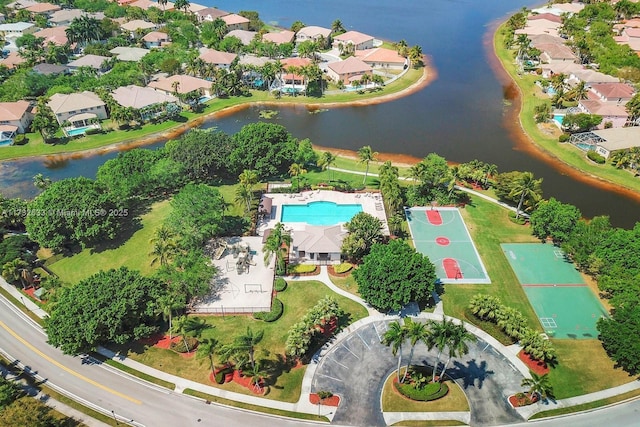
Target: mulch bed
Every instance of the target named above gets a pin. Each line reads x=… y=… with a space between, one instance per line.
x=329 y=401
x=332 y=272
x=537 y=366
x=312 y=273
x=246 y=383
x=516 y=402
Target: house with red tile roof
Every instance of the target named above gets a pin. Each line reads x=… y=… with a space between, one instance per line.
x=147 y=4
x=15 y=117
x=13 y=60
x=149 y=102
x=45 y=9
x=551 y=52
x=629 y=36
x=540 y=26
x=217 y=58
x=359 y=40
x=611 y=112
x=246 y=37
x=156 y=39
x=547 y=16
x=182 y=84
x=55 y=35
x=349 y=70
x=382 y=57
x=613 y=92
x=290 y=81
x=279 y=37
x=138 y=24
x=97 y=62
x=235 y=22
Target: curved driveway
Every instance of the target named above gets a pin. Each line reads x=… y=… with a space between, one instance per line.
x=357 y=367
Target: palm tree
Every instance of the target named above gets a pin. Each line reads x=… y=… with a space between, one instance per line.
x=524 y=187
x=189 y=326
x=326 y=160
x=277 y=244
x=337 y=27
x=457 y=344
x=13 y=271
x=579 y=92
x=248 y=178
x=394 y=337
x=415 y=331
x=367 y=155
x=163 y=252
x=243 y=347
x=243 y=197
x=439 y=333
x=489 y=170
x=538 y=384
x=295 y=170
x=256 y=374
x=416 y=172
x=207 y=348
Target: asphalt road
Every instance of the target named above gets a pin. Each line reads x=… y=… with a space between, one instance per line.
x=106 y=387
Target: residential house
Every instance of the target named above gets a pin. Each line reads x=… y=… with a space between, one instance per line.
x=381 y=57
x=540 y=26
x=288 y=81
x=551 y=52
x=45 y=9
x=147 y=4
x=590 y=77
x=21 y=4
x=347 y=71
x=629 y=36
x=14 y=30
x=129 y=54
x=313 y=33
x=150 y=102
x=156 y=39
x=138 y=24
x=13 y=60
x=559 y=9
x=555 y=68
x=543 y=39
x=620 y=93
x=217 y=58
x=611 y=112
x=78 y=108
x=55 y=35
x=279 y=37
x=210 y=14
x=15 y=118
x=246 y=37
x=545 y=16
x=359 y=40
x=97 y=62
x=318 y=244
x=236 y=22
x=615 y=139
x=195 y=7
x=50 y=69
x=182 y=84
x=66 y=16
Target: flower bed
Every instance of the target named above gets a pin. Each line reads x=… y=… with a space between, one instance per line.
x=303 y=270
x=334 y=400
x=537 y=366
x=522 y=399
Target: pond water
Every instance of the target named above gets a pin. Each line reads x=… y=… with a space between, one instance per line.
x=462 y=115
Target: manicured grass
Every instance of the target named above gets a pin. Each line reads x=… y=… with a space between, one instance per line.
x=20 y=306
x=531 y=97
x=393 y=401
x=286 y=382
x=346 y=283
x=132 y=252
x=256 y=408
x=489 y=226
x=584 y=367
x=586 y=406
x=134 y=372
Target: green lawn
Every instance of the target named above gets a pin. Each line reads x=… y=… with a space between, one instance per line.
x=393 y=401
x=132 y=253
x=531 y=97
x=286 y=383
x=346 y=283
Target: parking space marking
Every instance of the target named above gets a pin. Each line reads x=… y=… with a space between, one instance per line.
x=363 y=341
x=349 y=350
x=344 y=366
x=328 y=376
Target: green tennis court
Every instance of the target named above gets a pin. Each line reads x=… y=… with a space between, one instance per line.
x=442 y=235
x=565 y=305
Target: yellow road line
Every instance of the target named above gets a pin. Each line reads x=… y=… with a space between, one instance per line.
x=61 y=366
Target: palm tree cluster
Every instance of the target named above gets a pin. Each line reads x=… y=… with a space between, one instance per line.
x=315 y=322
x=627 y=159
x=514 y=324
x=244 y=192
x=84 y=30
x=121 y=115
x=18 y=271
x=164 y=246
x=277 y=244
x=538 y=384
x=446 y=337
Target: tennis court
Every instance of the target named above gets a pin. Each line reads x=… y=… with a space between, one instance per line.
x=565 y=305
x=441 y=234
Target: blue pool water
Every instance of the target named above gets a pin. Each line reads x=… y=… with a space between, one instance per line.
x=78 y=131
x=585 y=147
x=319 y=213
x=558 y=118
x=551 y=91
x=5 y=142
x=290 y=90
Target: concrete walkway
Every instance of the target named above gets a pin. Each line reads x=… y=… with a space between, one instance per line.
x=303 y=405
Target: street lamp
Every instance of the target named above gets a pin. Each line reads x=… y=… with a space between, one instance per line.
x=114 y=417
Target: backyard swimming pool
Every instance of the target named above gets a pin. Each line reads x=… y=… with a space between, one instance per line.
x=319 y=213
x=5 y=142
x=558 y=118
x=78 y=131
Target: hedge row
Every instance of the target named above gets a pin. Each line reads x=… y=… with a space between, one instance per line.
x=302 y=268
x=280 y=285
x=277 y=308
x=343 y=268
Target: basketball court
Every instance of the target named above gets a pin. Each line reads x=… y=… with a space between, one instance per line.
x=565 y=305
x=441 y=234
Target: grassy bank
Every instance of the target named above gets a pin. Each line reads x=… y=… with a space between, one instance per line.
x=168 y=129
x=533 y=96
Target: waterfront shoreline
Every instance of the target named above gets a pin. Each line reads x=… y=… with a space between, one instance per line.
x=527 y=142
x=429 y=74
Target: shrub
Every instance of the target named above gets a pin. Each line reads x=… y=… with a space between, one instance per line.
x=431 y=391
x=343 y=268
x=20 y=139
x=564 y=137
x=280 y=285
x=323 y=394
x=222 y=373
x=520 y=220
x=93 y=131
x=179 y=346
x=302 y=268
x=277 y=308
x=595 y=157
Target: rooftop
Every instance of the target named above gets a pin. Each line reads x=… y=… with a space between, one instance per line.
x=246 y=37
x=137 y=24
x=279 y=37
x=213 y=56
x=349 y=66
x=380 y=54
x=131 y=54
x=139 y=97
x=315 y=31
x=234 y=19
x=619 y=138
x=354 y=37
x=93 y=61
x=186 y=84
x=66 y=103
x=614 y=90
x=14 y=110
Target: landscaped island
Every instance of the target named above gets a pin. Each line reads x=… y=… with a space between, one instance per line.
x=107 y=73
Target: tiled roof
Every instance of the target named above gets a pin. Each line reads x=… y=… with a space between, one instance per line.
x=213 y=56
x=380 y=54
x=13 y=110
x=246 y=37
x=65 y=103
x=213 y=12
x=354 y=37
x=137 y=24
x=279 y=37
x=55 y=35
x=604 y=108
x=614 y=90
x=349 y=66
x=233 y=18
x=140 y=97
x=93 y=61
x=186 y=84
x=155 y=36
x=43 y=8
x=315 y=31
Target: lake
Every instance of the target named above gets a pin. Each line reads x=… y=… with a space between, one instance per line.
x=461 y=116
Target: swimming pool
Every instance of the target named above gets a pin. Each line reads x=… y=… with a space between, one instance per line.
x=584 y=146
x=319 y=213
x=551 y=91
x=6 y=142
x=78 y=131
x=558 y=118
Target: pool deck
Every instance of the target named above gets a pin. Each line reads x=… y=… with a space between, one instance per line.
x=371 y=203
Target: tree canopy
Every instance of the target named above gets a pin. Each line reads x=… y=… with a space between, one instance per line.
x=74 y=211
x=394 y=274
x=554 y=219
x=204 y=154
x=364 y=230
x=110 y=306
